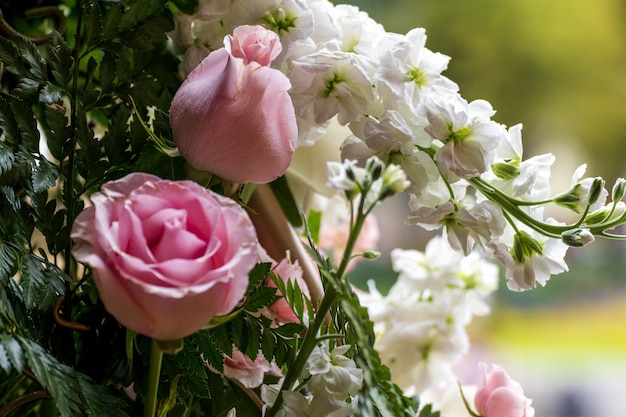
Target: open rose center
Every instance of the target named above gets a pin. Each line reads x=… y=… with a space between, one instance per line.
x=169 y=237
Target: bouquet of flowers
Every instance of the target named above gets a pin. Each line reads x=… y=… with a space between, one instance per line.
x=186 y=185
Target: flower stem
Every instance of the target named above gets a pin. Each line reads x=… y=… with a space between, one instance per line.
x=156 y=359
x=308 y=344
x=331 y=295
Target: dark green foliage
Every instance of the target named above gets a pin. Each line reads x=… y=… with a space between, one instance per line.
x=70 y=91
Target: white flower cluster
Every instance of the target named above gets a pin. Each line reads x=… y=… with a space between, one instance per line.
x=421 y=323
x=465 y=170
x=331 y=378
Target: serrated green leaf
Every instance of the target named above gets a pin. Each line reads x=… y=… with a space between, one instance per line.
x=11 y=197
x=71 y=390
x=111 y=23
x=42 y=284
x=287 y=330
x=254 y=331
x=268 y=344
x=60 y=61
x=8 y=125
x=10 y=57
x=187 y=361
x=427 y=411
x=210 y=350
x=51 y=93
x=8 y=261
x=7 y=157
x=13 y=352
x=27 y=88
x=259 y=298
x=222 y=339
x=5 y=364
x=44 y=175
x=258 y=274
x=239 y=334
x=31 y=56
x=25 y=119
x=57 y=131
x=98 y=400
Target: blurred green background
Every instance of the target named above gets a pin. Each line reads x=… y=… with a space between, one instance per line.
x=558 y=67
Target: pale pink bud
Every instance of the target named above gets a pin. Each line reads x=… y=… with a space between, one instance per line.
x=235 y=120
x=500 y=396
x=253 y=44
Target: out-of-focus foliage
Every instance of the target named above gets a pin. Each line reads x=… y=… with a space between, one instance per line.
x=557 y=66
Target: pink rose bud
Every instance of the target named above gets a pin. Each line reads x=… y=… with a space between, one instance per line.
x=248 y=372
x=166 y=256
x=254 y=44
x=500 y=396
x=286 y=270
x=236 y=119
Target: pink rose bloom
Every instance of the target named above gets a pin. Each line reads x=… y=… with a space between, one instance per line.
x=280 y=311
x=247 y=371
x=500 y=396
x=233 y=116
x=166 y=256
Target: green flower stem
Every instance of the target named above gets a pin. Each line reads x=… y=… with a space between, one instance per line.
x=311 y=338
x=504 y=201
x=156 y=359
x=308 y=344
x=70 y=198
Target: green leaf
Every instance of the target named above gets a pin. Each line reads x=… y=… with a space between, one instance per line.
x=268 y=344
x=31 y=56
x=222 y=339
x=10 y=57
x=258 y=274
x=254 y=339
x=281 y=190
x=259 y=298
x=42 y=283
x=44 y=175
x=8 y=262
x=210 y=350
x=71 y=390
x=11 y=197
x=60 y=61
x=25 y=119
x=6 y=158
x=378 y=394
x=287 y=330
x=8 y=125
x=239 y=333
x=314 y=220
x=12 y=351
x=427 y=411
x=187 y=361
x=185 y=6
x=58 y=132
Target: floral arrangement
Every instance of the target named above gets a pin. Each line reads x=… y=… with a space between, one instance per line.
x=185 y=187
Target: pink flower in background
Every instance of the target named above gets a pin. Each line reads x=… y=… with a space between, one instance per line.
x=500 y=396
x=166 y=256
x=334 y=231
x=233 y=116
x=247 y=371
x=280 y=311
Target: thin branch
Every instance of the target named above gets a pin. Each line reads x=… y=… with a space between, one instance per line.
x=24 y=399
